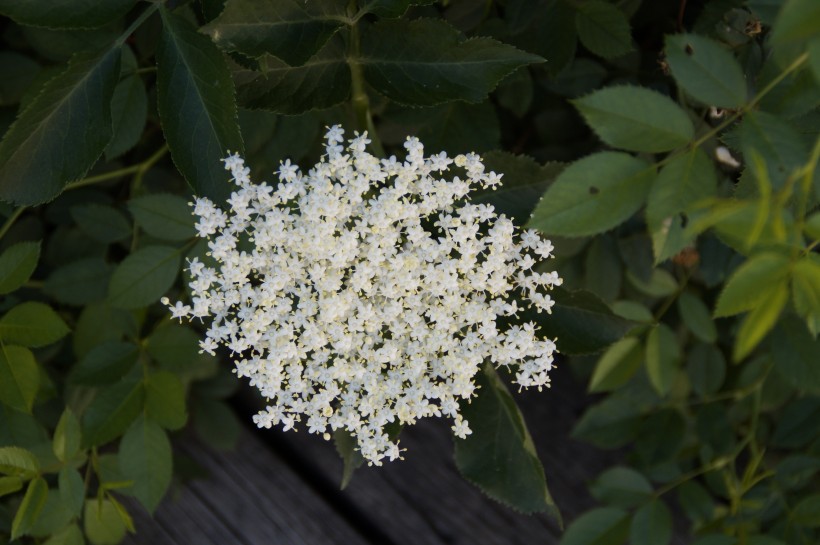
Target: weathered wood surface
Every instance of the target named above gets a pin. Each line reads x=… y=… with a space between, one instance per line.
x=282 y=488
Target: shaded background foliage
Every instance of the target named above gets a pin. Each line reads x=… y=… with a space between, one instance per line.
x=669 y=149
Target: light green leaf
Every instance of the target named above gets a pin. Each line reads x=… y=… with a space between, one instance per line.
x=617 y=365
x=65 y=13
x=143 y=277
x=19 y=377
x=499 y=456
x=112 y=412
x=80 y=282
x=102 y=523
x=753 y=282
x=662 y=358
x=196 y=104
x=426 y=61
x=760 y=321
x=164 y=216
x=129 y=112
x=636 y=119
x=67 y=437
x=351 y=457
x=652 y=525
x=165 y=400
x=706 y=70
x=10 y=485
x=70 y=535
x=603 y=29
x=601 y=526
x=706 y=367
x=292 y=30
x=593 y=195
x=660 y=284
x=62 y=132
x=806 y=286
x=621 y=487
x=19 y=462
x=16 y=265
x=145 y=458
x=72 y=489
x=776 y=142
x=101 y=222
x=695 y=315
x=797 y=21
x=807 y=512
x=814 y=58
x=30 y=508
x=105 y=363
x=32 y=324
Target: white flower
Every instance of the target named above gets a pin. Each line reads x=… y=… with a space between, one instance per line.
x=367 y=292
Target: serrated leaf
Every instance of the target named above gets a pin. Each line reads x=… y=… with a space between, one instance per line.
x=101 y=222
x=593 y=195
x=776 y=142
x=651 y=525
x=753 y=282
x=30 y=508
x=19 y=377
x=603 y=29
x=195 y=97
x=291 y=30
x=323 y=81
x=65 y=13
x=164 y=216
x=351 y=457
x=67 y=436
x=102 y=522
x=636 y=119
x=165 y=400
x=145 y=458
x=80 y=282
x=143 y=277
x=797 y=20
x=105 y=363
x=662 y=358
x=17 y=264
x=706 y=70
x=427 y=61
x=616 y=365
x=18 y=462
x=129 y=113
x=686 y=179
x=112 y=411
x=621 y=487
x=600 y=526
x=58 y=137
x=32 y=324
x=760 y=321
x=695 y=314
x=499 y=456
x=391 y=8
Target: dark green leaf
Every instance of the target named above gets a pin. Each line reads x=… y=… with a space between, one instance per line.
x=101 y=222
x=391 y=8
x=216 y=423
x=617 y=365
x=165 y=400
x=601 y=526
x=603 y=29
x=660 y=284
x=706 y=70
x=102 y=522
x=603 y=269
x=32 y=324
x=62 y=132
x=174 y=346
x=807 y=512
x=106 y=363
x=80 y=282
x=798 y=425
x=621 y=487
x=67 y=437
x=707 y=368
x=195 y=97
x=609 y=424
x=16 y=265
x=499 y=456
x=72 y=489
x=112 y=412
x=662 y=357
x=427 y=61
x=19 y=377
x=695 y=315
x=18 y=462
x=292 y=30
x=10 y=485
x=778 y=144
x=753 y=282
x=129 y=110
x=660 y=436
x=30 y=508
x=593 y=195
x=145 y=458
x=164 y=216
x=548 y=31
x=797 y=21
x=696 y=502
x=636 y=119
x=351 y=457
x=652 y=525
x=54 y=516
x=65 y=13
x=19 y=73
x=795 y=354
x=143 y=277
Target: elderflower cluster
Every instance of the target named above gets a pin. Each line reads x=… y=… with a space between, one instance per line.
x=368 y=291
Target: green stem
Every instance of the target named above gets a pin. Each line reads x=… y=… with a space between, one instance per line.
x=359 y=98
x=144 y=167
x=99 y=178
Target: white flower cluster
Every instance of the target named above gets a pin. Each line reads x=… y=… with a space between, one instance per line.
x=369 y=290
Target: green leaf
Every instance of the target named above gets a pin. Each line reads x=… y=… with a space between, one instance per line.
x=794 y=351
x=695 y=314
x=662 y=357
x=760 y=321
x=19 y=377
x=621 y=487
x=143 y=277
x=20 y=71
x=80 y=282
x=806 y=286
x=54 y=516
x=165 y=400
x=67 y=437
x=10 y=485
x=129 y=113
x=106 y=363
x=174 y=346
x=19 y=462
x=660 y=436
x=195 y=96
x=62 y=132
x=807 y=512
x=797 y=21
x=706 y=367
x=753 y=282
x=112 y=412
x=660 y=284
x=706 y=70
x=351 y=457
x=636 y=119
x=600 y=526
x=101 y=222
x=65 y=13
x=32 y=324
x=102 y=522
x=798 y=425
x=164 y=216
x=609 y=424
x=603 y=29
x=216 y=423
x=72 y=489
x=696 y=502
x=775 y=140
x=70 y=535
x=321 y=82
x=30 y=508
x=292 y=30
x=617 y=365
x=652 y=525
x=583 y=323
x=499 y=456
x=593 y=195
x=391 y=8
x=814 y=58
x=16 y=265
x=426 y=61
x=145 y=458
